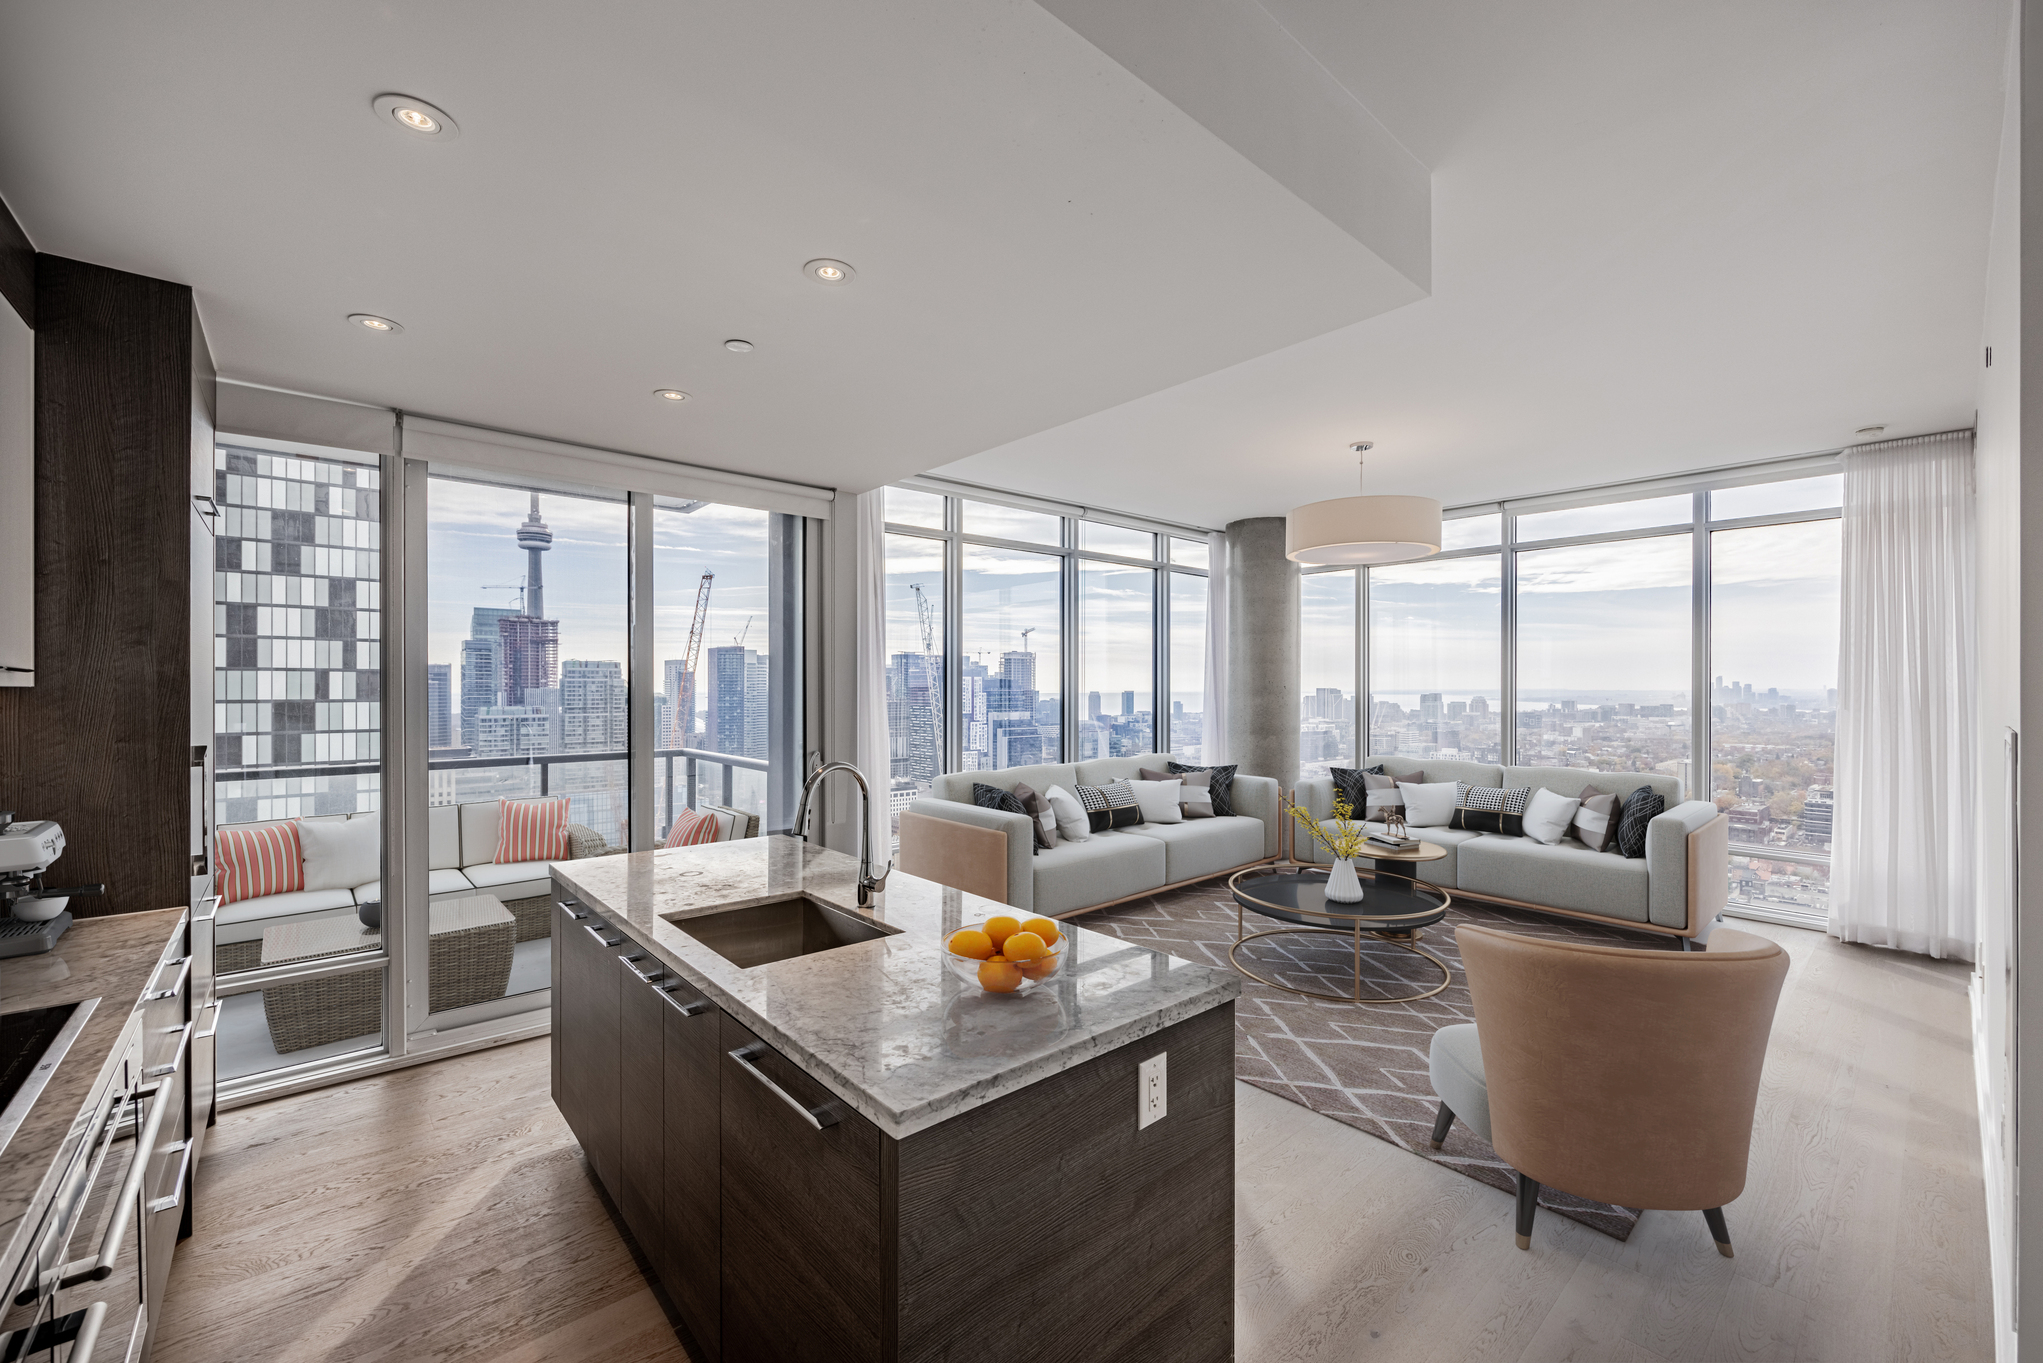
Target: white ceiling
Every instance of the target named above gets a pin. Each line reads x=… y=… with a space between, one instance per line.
x=1666 y=237
x=1663 y=236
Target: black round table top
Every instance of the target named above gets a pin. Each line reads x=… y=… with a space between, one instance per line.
x=1388 y=903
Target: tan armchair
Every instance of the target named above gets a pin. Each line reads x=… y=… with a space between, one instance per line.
x=1626 y=1076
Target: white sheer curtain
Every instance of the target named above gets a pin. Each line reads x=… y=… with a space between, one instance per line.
x=1213 y=724
x=1901 y=872
x=873 y=755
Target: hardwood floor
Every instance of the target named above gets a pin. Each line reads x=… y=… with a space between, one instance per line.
x=444 y=1212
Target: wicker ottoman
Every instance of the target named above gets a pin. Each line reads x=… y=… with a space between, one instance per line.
x=470 y=942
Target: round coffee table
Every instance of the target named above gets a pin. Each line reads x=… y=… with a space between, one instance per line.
x=1403 y=865
x=1393 y=908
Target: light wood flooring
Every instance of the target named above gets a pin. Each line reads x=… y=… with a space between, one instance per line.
x=443 y=1212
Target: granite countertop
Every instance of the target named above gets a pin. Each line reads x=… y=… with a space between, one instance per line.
x=884 y=1024
x=111 y=959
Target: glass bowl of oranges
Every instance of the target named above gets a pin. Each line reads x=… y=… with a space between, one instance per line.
x=1006 y=955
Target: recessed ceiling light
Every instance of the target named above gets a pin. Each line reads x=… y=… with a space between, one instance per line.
x=829 y=271
x=417 y=116
x=372 y=322
x=740 y=346
x=1870 y=430
x=670 y=394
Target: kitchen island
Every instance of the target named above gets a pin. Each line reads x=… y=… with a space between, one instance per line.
x=828 y=1146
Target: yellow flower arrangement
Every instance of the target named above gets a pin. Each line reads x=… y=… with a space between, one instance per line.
x=1346 y=842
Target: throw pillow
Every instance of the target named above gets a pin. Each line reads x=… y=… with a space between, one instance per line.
x=1072 y=823
x=1038 y=809
x=1110 y=806
x=1495 y=798
x=1380 y=792
x=1641 y=807
x=1351 y=785
x=993 y=797
x=1195 y=796
x=341 y=853
x=691 y=828
x=1593 y=822
x=1430 y=805
x=1221 y=784
x=254 y=862
x=531 y=830
x=1548 y=815
x=1158 y=800
x=1488 y=821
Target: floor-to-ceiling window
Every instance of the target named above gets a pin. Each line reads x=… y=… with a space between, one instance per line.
x=1435 y=644
x=1326 y=671
x=1018 y=635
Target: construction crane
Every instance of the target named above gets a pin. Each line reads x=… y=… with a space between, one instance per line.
x=738 y=640
x=1025 y=637
x=683 y=715
x=925 y=615
x=518 y=587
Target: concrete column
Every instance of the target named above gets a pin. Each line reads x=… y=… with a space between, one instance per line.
x=1262 y=652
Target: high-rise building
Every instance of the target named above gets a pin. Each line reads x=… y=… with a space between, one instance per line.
x=915 y=714
x=595 y=706
x=512 y=731
x=1127 y=702
x=1020 y=669
x=531 y=655
x=679 y=731
x=1429 y=707
x=1092 y=705
x=736 y=718
x=439 y=705
x=482 y=681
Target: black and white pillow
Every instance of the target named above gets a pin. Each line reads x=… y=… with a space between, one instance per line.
x=1495 y=799
x=1222 y=786
x=1349 y=786
x=1641 y=807
x=1112 y=805
x=993 y=797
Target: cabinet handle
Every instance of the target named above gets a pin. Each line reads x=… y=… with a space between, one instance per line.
x=87 y=1338
x=597 y=933
x=686 y=1010
x=184 y=1041
x=183 y=974
x=571 y=908
x=100 y=1266
x=184 y=1166
x=818 y=1117
x=631 y=964
x=214 y=1030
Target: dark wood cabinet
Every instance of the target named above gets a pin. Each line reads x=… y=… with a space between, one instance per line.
x=590 y=1082
x=805 y=1256
x=689 y=1259
x=642 y=1074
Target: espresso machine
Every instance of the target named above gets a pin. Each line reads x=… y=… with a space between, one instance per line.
x=36 y=914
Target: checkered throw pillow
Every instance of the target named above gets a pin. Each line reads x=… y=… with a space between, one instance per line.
x=1495 y=799
x=1112 y=805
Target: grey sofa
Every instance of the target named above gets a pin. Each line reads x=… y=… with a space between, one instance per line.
x=947 y=838
x=1679 y=887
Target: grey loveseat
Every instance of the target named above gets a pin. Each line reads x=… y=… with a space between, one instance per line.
x=1679 y=887
x=947 y=838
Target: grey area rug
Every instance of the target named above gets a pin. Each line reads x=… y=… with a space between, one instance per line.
x=1365 y=1066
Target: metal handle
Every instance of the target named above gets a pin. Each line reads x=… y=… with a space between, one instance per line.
x=817 y=1117
x=101 y=1265
x=184 y=1166
x=630 y=964
x=176 y=1061
x=183 y=974
x=212 y=1031
x=572 y=908
x=597 y=933
x=686 y=1010
x=87 y=1338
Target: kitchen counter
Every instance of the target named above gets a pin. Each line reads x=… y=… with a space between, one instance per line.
x=884 y=1024
x=111 y=959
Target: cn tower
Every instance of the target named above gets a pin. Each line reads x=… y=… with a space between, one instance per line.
x=535 y=539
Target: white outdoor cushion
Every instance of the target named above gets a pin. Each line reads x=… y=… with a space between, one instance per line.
x=1158 y=800
x=1548 y=815
x=1431 y=805
x=1072 y=823
x=443 y=881
x=490 y=876
x=443 y=838
x=341 y=855
x=479 y=832
x=279 y=906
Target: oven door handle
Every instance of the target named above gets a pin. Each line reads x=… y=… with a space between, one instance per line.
x=87 y=1338
x=100 y=1266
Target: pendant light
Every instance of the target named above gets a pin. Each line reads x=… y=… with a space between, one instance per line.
x=1363 y=529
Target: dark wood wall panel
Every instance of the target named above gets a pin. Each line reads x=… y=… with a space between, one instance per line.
x=102 y=742
x=17 y=266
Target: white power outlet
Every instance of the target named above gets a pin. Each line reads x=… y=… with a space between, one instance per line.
x=1152 y=1090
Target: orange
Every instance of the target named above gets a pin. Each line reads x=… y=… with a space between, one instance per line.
x=971 y=942
x=1042 y=968
x=1045 y=928
x=999 y=976
x=1000 y=928
x=1024 y=946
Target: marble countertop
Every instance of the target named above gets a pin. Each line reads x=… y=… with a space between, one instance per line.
x=884 y=1024
x=112 y=959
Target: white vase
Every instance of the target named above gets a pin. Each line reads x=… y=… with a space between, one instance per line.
x=1343 y=885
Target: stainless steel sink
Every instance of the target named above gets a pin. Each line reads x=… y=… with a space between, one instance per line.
x=779 y=930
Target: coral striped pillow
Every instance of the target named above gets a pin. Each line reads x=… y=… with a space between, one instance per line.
x=254 y=862
x=531 y=830
x=691 y=829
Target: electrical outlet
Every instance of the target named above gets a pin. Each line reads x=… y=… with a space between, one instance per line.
x=1152 y=1090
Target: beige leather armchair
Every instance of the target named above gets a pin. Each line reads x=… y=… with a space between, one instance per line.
x=1627 y=1076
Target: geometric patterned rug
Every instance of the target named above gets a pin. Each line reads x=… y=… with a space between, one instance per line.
x=1363 y=1066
